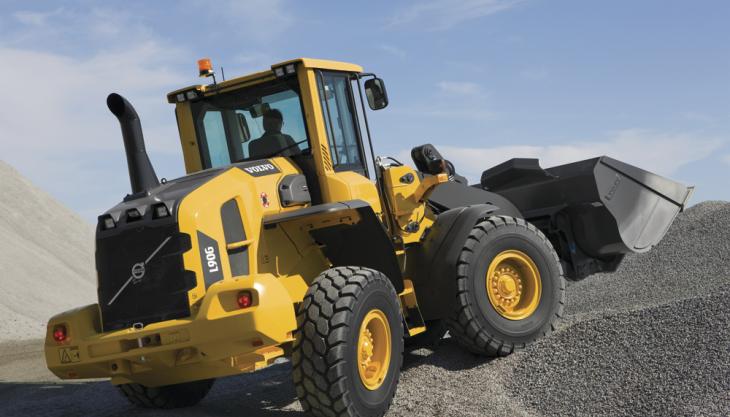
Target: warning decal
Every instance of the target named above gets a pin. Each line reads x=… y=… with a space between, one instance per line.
x=69 y=355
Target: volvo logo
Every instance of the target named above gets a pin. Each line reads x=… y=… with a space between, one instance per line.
x=258 y=168
x=138 y=271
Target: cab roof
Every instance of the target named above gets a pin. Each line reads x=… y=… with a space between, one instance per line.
x=269 y=74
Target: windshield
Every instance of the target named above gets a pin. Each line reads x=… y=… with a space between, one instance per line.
x=253 y=123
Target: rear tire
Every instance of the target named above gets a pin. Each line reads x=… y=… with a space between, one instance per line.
x=340 y=305
x=479 y=322
x=186 y=394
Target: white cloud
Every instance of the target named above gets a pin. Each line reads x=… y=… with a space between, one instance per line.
x=700 y=117
x=64 y=30
x=475 y=114
x=662 y=153
x=57 y=101
x=251 y=61
x=34 y=18
x=726 y=159
x=459 y=87
x=56 y=127
x=454 y=101
x=260 y=19
x=393 y=50
x=445 y=14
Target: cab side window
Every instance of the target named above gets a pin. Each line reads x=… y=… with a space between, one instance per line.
x=340 y=122
x=216 y=138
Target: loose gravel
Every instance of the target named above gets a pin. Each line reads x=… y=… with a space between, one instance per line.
x=693 y=259
x=653 y=338
x=660 y=361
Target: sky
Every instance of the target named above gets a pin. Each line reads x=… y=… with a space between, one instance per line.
x=646 y=82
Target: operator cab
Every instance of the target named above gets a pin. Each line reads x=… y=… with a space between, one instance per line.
x=276 y=113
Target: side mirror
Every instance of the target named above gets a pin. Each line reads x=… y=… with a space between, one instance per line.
x=376 y=94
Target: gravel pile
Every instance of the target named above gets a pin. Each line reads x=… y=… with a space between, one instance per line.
x=693 y=259
x=653 y=338
x=667 y=360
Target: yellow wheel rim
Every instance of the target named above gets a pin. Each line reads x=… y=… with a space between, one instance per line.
x=373 y=349
x=513 y=285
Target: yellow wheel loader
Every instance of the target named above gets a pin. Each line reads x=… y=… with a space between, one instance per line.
x=289 y=238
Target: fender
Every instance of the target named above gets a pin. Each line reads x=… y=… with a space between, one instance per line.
x=450 y=195
x=364 y=242
x=432 y=265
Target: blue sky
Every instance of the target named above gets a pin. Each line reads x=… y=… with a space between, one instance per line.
x=647 y=82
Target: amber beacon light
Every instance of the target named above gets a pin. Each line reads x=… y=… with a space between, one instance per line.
x=205 y=67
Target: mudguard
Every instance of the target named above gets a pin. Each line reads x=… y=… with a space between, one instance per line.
x=432 y=265
x=450 y=195
x=360 y=241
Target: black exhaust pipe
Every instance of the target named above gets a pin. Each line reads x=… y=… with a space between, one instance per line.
x=141 y=174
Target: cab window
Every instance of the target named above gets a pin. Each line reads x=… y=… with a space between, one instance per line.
x=258 y=122
x=343 y=134
x=216 y=138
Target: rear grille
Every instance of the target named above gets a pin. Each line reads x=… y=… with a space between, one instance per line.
x=142 y=278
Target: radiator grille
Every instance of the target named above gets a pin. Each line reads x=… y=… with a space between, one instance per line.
x=141 y=274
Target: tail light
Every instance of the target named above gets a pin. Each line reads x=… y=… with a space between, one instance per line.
x=60 y=333
x=244 y=299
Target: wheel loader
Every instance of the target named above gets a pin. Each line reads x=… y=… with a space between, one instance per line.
x=289 y=238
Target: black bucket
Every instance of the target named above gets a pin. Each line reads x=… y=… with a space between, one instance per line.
x=594 y=211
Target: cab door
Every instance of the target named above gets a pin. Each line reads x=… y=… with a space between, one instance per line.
x=349 y=178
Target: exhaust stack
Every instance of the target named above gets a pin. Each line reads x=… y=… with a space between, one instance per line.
x=141 y=173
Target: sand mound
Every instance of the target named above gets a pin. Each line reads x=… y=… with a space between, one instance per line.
x=46 y=255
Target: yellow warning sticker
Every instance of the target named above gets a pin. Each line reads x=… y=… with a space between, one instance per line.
x=69 y=355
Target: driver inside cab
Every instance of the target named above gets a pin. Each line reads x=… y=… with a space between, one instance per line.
x=273 y=142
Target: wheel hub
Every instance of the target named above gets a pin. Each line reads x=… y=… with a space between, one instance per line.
x=373 y=349
x=366 y=348
x=513 y=285
x=507 y=284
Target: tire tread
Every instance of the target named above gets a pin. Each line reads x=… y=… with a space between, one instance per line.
x=463 y=325
x=326 y=307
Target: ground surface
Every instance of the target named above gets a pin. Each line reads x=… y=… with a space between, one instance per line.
x=652 y=338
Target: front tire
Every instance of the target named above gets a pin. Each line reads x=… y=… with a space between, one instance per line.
x=167 y=396
x=348 y=350
x=510 y=287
